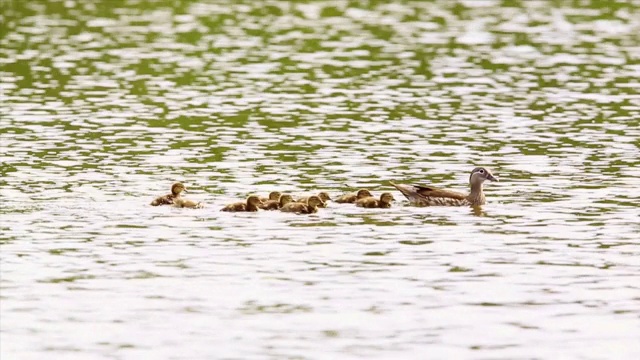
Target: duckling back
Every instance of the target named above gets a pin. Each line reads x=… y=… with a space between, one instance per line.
x=270 y=205
x=368 y=202
x=353 y=197
x=186 y=203
x=276 y=204
x=252 y=204
x=325 y=197
x=346 y=199
x=298 y=208
x=163 y=200
x=235 y=207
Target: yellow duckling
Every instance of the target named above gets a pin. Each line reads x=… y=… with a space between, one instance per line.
x=323 y=195
x=351 y=198
x=176 y=190
x=431 y=196
x=276 y=204
x=274 y=195
x=371 y=202
x=186 y=203
x=252 y=204
x=299 y=208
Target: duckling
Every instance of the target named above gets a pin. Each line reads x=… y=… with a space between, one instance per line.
x=186 y=203
x=431 y=196
x=274 y=195
x=371 y=202
x=323 y=195
x=352 y=197
x=176 y=190
x=299 y=208
x=252 y=204
x=276 y=204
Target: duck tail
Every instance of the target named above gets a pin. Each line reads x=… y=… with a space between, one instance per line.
x=408 y=191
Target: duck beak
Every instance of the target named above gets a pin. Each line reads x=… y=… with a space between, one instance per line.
x=185 y=190
x=492 y=178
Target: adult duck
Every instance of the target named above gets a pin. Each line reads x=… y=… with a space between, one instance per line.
x=431 y=196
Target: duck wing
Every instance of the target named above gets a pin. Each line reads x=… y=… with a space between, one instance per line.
x=367 y=202
x=430 y=191
x=235 y=207
x=431 y=196
x=270 y=205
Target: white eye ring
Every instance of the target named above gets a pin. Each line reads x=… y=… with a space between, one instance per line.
x=481 y=171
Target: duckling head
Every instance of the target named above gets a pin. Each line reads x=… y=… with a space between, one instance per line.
x=386 y=198
x=315 y=201
x=480 y=175
x=363 y=193
x=285 y=199
x=254 y=200
x=177 y=188
x=324 y=196
x=274 y=195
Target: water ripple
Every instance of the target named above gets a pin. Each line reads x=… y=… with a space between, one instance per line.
x=103 y=107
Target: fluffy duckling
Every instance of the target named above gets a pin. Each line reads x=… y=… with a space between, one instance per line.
x=323 y=195
x=274 y=195
x=371 y=202
x=186 y=203
x=276 y=204
x=431 y=196
x=176 y=190
x=252 y=204
x=299 y=208
x=351 y=198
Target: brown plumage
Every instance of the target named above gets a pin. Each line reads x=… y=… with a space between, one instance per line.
x=310 y=207
x=371 y=202
x=324 y=196
x=186 y=203
x=274 y=195
x=431 y=196
x=276 y=204
x=352 y=197
x=252 y=204
x=176 y=190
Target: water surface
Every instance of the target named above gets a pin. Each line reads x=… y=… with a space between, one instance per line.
x=104 y=105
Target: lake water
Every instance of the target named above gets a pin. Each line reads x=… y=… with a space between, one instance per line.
x=106 y=104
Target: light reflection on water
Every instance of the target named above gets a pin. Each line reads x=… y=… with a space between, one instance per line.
x=105 y=106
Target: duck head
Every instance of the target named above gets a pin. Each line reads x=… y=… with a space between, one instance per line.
x=363 y=193
x=479 y=175
x=274 y=195
x=177 y=188
x=386 y=198
x=315 y=201
x=285 y=199
x=254 y=200
x=324 y=196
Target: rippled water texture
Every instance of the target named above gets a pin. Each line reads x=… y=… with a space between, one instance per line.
x=106 y=104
